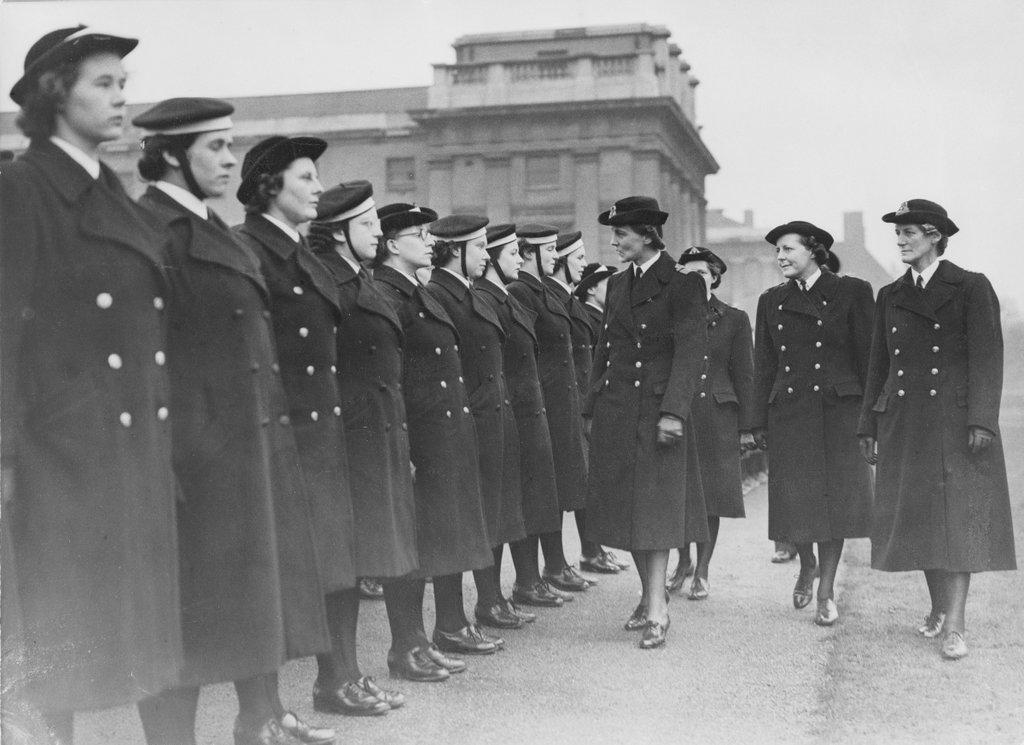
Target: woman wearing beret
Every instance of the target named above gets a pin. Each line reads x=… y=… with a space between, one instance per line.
x=537 y=246
x=451 y=532
x=89 y=487
x=280 y=190
x=250 y=587
x=930 y=420
x=460 y=257
x=722 y=409
x=537 y=466
x=648 y=363
x=811 y=352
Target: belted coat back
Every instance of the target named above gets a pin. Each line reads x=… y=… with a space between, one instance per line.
x=937 y=369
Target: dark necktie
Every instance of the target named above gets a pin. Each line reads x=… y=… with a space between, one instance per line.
x=920 y=283
x=802 y=284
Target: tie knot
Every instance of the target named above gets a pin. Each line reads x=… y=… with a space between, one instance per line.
x=802 y=284
x=920 y=282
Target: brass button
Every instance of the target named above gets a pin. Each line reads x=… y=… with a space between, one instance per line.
x=936 y=327
x=817 y=344
x=275 y=367
x=636 y=384
x=935 y=349
x=901 y=392
x=899 y=373
x=334 y=369
x=703 y=377
x=284 y=420
x=789 y=390
x=933 y=392
x=444 y=384
x=303 y=332
x=158 y=303
x=817 y=365
x=896 y=352
x=788 y=368
x=337 y=411
x=448 y=414
x=160 y=358
x=114 y=361
x=310 y=370
x=817 y=388
x=894 y=329
x=703 y=394
x=935 y=371
x=465 y=409
x=437 y=351
x=639 y=363
x=162 y=413
x=297 y=290
x=819 y=321
x=780 y=326
x=314 y=415
x=782 y=348
x=104 y=300
x=126 y=419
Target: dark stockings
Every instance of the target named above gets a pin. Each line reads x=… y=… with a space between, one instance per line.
x=705 y=550
x=449 y=611
x=829 y=553
x=587 y=547
x=488 y=581
x=169 y=718
x=403 y=599
x=524 y=558
x=948 y=592
x=554 y=556
x=341 y=665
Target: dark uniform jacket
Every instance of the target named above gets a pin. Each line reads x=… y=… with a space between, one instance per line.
x=481 y=347
x=936 y=370
x=558 y=381
x=451 y=532
x=242 y=564
x=87 y=430
x=648 y=363
x=810 y=364
x=370 y=342
x=305 y=316
x=537 y=466
x=579 y=332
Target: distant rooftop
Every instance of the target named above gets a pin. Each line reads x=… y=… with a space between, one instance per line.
x=577 y=32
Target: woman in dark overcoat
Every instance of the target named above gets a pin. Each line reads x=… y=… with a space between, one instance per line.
x=250 y=584
x=280 y=190
x=646 y=371
x=537 y=466
x=810 y=361
x=460 y=256
x=451 y=531
x=89 y=488
x=553 y=327
x=931 y=405
x=722 y=409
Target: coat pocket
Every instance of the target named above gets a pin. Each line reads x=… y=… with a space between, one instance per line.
x=659 y=388
x=848 y=388
x=726 y=397
x=881 y=403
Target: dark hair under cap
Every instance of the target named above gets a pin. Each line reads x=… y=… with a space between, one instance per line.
x=801 y=227
x=400 y=215
x=922 y=212
x=593 y=275
x=273 y=155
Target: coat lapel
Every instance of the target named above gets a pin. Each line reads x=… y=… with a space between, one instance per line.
x=796 y=301
x=652 y=281
x=618 y=309
x=906 y=295
x=945 y=285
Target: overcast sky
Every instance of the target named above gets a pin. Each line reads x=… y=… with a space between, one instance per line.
x=812 y=107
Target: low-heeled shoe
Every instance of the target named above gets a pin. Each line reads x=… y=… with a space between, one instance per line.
x=827 y=613
x=699 y=589
x=567 y=597
x=467 y=640
x=567 y=580
x=414 y=665
x=536 y=595
x=497 y=616
x=954 y=646
x=269 y=732
x=514 y=610
x=601 y=564
x=638 y=619
x=782 y=556
x=370 y=589
x=451 y=664
x=307 y=733
x=394 y=699
x=932 y=625
x=614 y=559
x=348 y=699
x=803 y=590
x=654 y=634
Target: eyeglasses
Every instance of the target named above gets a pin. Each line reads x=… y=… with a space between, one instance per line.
x=420 y=233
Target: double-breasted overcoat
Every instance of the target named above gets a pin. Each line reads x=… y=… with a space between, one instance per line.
x=481 y=348
x=451 y=532
x=304 y=313
x=558 y=381
x=723 y=407
x=87 y=433
x=579 y=333
x=250 y=584
x=648 y=363
x=937 y=369
x=369 y=368
x=810 y=364
x=541 y=513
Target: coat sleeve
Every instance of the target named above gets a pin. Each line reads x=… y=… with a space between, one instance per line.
x=690 y=343
x=878 y=370
x=765 y=364
x=984 y=354
x=861 y=312
x=741 y=369
x=599 y=363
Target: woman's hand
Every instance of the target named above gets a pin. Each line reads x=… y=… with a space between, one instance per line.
x=747 y=442
x=868 y=449
x=760 y=436
x=412 y=470
x=979 y=438
x=670 y=429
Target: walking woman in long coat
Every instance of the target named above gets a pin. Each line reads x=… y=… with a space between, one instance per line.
x=646 y=371
x=250 y=585
x=722 y=410
x=810 y=363
x=930 y=420
x=451 y=531
x=89 y=488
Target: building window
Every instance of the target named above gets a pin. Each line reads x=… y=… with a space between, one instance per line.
x=542 y=172
x=401 y=174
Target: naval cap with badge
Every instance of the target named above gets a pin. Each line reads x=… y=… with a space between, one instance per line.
x=593 y=275
x=803 y=228
x=273 y=155
x=456 y=229
x=401 y=215
x=922 y=212
x=62 y=46
x=635 y=210
x=699 y=253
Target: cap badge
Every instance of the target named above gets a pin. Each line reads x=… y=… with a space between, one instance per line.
x=414 y=208
x=611 y=212
x=903 y=209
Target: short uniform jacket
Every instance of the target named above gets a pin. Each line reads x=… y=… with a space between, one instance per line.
x=810 y=364
x=937 y=369
x=87 y=429
x=369 y=368
x=451 y=533
x=241 y=565
x=648 y=363
x=305 y=314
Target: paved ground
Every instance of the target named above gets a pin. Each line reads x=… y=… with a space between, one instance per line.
x=740 y=667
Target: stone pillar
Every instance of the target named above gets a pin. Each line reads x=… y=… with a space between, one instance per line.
x=498 y=178
x=588 y=204
x=439 y=185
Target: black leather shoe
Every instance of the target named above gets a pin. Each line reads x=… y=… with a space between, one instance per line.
x=803 y=591
x=393 y=699
x=782 y=556
x=602 y=564
x=498 y=617
x=370 y=589
x=267 y=733
x=514 y=610
x=614 y=559
x=497 y=641
x=451 y=664
x=414 y=665
x=348 y=699
x=306 y=733
x=638 y=619
x=537 y=595
x=467 y=640
x=566 y=580
x=654 y=634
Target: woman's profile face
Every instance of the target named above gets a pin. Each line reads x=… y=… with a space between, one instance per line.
x=476 y=257
x=795 y=260
x=548 y=256
x=510 y=261
x=363 y=232
x=94 y=110
x=628 y=243
x=300 y=192
x=576 y=263
x=211 y=161
x=914 y=243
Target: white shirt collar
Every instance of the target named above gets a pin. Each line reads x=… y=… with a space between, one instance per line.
x=563 y=284
x=595 y=306
x=90 y=164
x=649 y=263
x=809 y=282
x=285 y=227
x=499 y=285
x=185 y=198
x=462 y=279
x=352 y=263
x=927 y=274
x=409 y=277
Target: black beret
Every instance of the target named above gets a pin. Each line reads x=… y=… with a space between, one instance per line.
x=592 y=276
x=399 y=216
x=499 y=236
x=699 y=253
x=537 y=233
x=66 y=45
x=274 y=155
x=568 y=242
x=920 y=211
x=179 y=116
x=634 y=211
x=800 y=227
x=459 y=227
x=346 y=200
